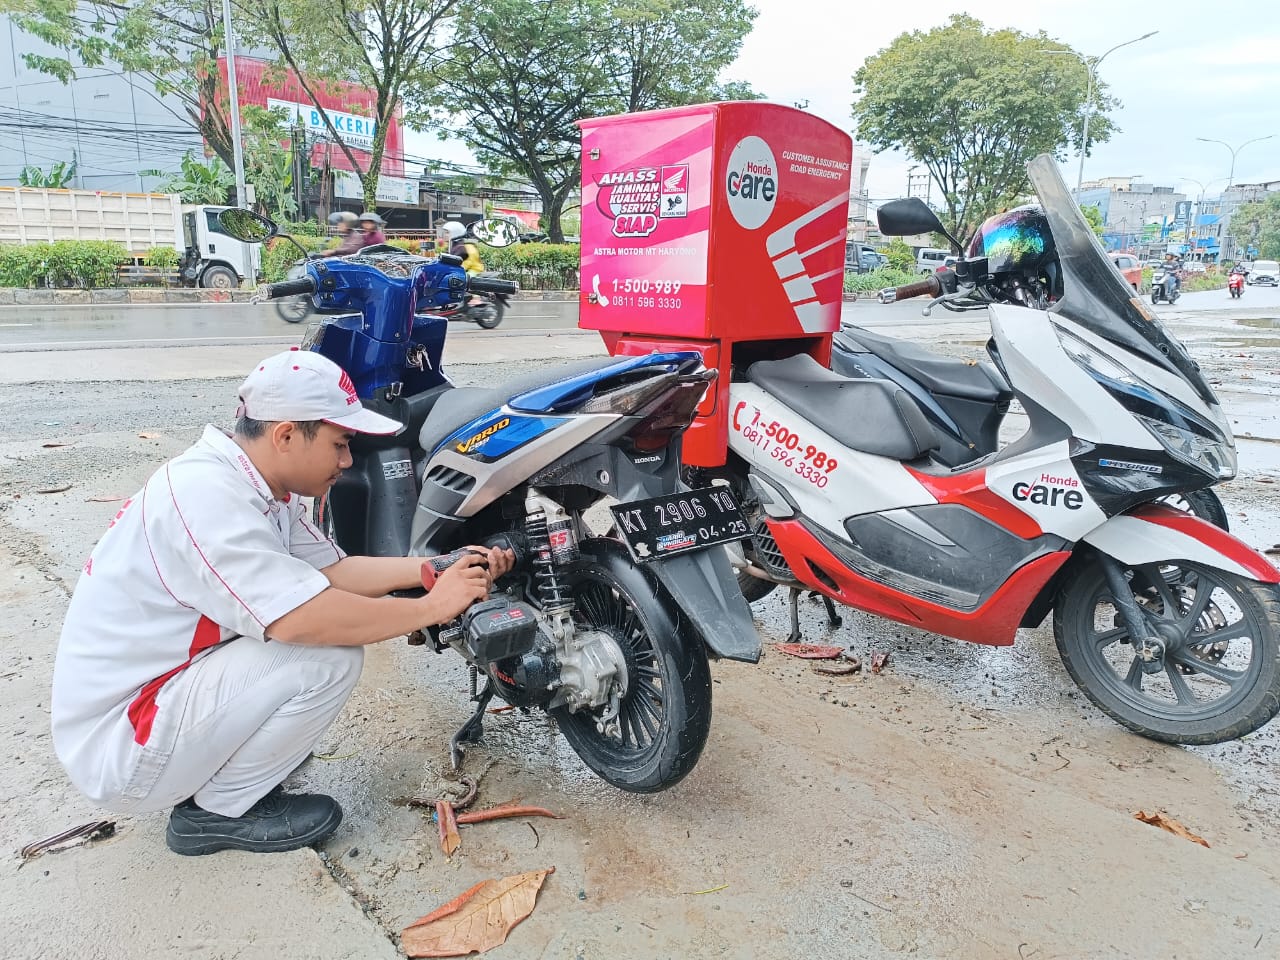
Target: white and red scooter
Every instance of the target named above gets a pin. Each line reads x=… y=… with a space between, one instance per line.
x=1167 y=623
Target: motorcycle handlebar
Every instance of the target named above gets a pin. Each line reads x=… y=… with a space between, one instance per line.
x=506 y=288
x=931 y=286
x=288 y=288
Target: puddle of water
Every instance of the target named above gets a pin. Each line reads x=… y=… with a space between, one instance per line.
x=1261 y=322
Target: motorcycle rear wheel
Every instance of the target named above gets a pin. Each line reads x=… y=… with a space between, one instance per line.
x=1220 y=632
x=665 y=717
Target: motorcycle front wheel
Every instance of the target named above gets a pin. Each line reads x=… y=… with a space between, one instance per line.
x=293 y=309
x=665 y=717
x=1202 y=503
x=1217 y=675
x=490 y=315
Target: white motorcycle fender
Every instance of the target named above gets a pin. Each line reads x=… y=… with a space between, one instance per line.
x=1155 y=534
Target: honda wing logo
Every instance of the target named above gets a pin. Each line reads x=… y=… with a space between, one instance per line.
x=790 y=262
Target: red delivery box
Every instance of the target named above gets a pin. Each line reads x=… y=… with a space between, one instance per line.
x=722 y=221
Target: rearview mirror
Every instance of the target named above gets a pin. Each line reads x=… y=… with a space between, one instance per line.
x=247 y=226
x=903 y=218
x=496 y=233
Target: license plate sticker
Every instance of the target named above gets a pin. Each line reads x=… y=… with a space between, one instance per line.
x=679 y=522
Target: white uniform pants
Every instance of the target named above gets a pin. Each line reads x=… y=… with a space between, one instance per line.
x=247 y=714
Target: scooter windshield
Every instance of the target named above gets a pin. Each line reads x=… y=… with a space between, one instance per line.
x=1094 y=294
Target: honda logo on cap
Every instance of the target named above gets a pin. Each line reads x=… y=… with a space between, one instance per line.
x=345 y=383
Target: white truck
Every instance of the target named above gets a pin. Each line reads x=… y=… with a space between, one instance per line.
x=138 y=221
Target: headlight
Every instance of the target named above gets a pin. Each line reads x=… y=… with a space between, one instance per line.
x=1173 y=425
x=1209 y=456
x=1098 y=364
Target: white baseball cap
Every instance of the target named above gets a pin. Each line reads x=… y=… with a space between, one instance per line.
x=300 y=385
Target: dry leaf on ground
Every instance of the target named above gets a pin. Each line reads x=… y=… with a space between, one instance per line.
x=104 y=498
x=1164 y=822
x=476 y=921
x=54 y=443
x=448 y=826
x=63 y=488
x=809 y=651
x=878 y=660
x=149 y=436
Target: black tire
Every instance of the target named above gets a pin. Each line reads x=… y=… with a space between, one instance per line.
x=666 y=715
x=494 y=317
x=219 y=278
x=1094 y=650
x=294 y=309
x=753 y=588
x=1203 y=503
x=1155 y=297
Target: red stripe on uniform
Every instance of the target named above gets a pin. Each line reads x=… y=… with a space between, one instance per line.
x=142 y=712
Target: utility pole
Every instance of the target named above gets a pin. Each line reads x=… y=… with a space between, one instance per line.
x=233 y=97
x=1227 y=247
x=1091 y=64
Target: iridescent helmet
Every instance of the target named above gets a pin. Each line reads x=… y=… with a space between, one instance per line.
x=1016 y=241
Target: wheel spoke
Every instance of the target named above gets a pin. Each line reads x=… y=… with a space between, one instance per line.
x=1133 y=679
x=1107 y=637
x=624 y=727
x=641 y=712
x=1180 y=689
x=1240 y=630
x=1209 y=669
x=647 y=702
x=1204 y=591
x=1156 y=579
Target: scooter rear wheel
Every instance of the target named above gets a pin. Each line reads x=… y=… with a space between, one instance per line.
x=1218 y=676
x=665 y=717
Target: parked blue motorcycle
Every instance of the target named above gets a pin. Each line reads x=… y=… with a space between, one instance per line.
x=605 y=625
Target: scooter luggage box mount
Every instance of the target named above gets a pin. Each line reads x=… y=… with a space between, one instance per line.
x=709 y=226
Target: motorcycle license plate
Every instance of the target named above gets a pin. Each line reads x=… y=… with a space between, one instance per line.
x=679 y=522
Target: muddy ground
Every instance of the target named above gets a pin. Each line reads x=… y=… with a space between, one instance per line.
x=966 y=802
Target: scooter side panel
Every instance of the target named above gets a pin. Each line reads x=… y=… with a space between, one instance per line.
x=828 y=480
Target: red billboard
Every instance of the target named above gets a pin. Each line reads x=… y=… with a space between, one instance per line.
x=351 y=110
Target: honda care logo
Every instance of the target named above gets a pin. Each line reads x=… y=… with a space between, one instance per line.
x=752 y=182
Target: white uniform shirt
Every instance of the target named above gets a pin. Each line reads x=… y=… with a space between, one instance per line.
x=201 y=555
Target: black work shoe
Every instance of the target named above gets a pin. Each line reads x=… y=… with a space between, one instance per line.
x=279 y=821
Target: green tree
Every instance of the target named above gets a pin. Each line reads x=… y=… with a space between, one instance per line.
x=900 y=255
x=974 y=105
x=1258 y=225
x=57 y=177
x=175 y=44
x=383 y=45
x=200 y=181
x=1094 y=216
x=521 y=72
x=268 y=163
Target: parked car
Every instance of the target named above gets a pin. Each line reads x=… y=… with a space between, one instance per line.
x=1129 y=268
x=1265 y=273
x=929 y=259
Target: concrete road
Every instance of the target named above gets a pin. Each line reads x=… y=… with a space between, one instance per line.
x=106 y=326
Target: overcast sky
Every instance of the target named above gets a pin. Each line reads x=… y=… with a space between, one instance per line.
x=1204 y=74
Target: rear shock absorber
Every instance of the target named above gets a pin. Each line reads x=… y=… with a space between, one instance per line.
x=544 y=556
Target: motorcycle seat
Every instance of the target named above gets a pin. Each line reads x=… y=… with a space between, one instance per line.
x=937 y=374
x=456 y=408
x=874 y=416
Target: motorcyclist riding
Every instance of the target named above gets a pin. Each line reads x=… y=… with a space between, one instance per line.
x=352 y=239
x=1173 y=265
x=460 y=245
